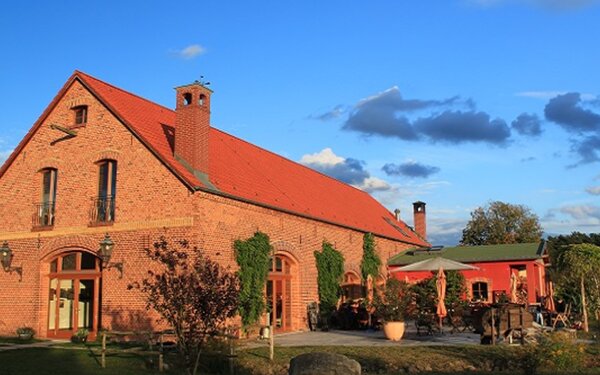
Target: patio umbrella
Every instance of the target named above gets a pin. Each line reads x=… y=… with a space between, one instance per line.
x=440 y=284
x=513 y=288
x=370 y=288
x=550 y=298
x=434 y=264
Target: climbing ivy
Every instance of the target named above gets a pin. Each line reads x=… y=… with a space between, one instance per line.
x=253 y=256
x=330 y=268
x=370 y=260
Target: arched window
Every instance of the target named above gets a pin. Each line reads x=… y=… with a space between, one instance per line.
x=202 y=99
x=44 y=213
x=480 y=291
x=187 y=98
x=80 y=115
x=103 y=210
x=351 y=286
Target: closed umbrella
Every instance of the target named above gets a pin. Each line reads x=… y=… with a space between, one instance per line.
x=550 y=298
x=440 y=284
x=513 y=288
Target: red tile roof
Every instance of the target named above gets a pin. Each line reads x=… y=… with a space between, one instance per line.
x=243 y=170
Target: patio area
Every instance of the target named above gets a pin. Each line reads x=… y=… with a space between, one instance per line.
x=369 y=338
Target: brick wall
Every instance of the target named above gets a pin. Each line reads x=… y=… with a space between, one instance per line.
x=150 y=203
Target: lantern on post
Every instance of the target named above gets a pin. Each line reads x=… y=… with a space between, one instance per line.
x=6 y=257
x=105 y=252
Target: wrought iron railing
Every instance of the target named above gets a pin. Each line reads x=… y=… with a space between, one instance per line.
x=43 y=215
x=103 y=210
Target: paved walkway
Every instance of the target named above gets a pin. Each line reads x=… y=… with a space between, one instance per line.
x=368 y=338
x=41 y=344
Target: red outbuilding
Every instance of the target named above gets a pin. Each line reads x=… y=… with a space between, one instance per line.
x=495 y=263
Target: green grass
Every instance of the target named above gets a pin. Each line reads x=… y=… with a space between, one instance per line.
x=374 y=360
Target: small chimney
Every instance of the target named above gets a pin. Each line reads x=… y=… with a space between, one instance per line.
x=397 y=214
x=192 y=126
x=420 y=219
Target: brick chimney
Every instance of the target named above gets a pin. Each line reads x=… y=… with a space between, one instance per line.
x=420 y=219
x=192 y=125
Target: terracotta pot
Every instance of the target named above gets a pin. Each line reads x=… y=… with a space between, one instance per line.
x=393 y=330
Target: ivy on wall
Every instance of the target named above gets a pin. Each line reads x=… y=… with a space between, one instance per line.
x=370 y=260
x=330 y=268
x=253 y=256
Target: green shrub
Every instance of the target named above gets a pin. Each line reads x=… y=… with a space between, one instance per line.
x=393 y=303
x=253 y=256
x=330 y=268
x=555 y=351
x=25 y=331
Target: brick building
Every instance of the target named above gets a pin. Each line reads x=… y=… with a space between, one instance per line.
x=101 y=160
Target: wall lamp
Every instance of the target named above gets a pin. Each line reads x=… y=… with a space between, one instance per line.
x=106 y=248
x=6 y=256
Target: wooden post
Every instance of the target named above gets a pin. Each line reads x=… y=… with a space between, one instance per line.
x=231 y=358
x=161 y=364
x=103 y=359
x=493 y=328
x=272 y=342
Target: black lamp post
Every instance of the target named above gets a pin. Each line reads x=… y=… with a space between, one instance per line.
x=6 y=257
x=105 y=252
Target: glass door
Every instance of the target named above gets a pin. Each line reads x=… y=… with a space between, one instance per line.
x=74 y=299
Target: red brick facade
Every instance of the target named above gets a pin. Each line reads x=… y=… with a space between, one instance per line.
x=151 y=201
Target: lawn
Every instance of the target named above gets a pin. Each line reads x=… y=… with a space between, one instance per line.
x=374 y=360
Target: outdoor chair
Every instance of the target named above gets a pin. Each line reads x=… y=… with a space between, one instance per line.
x=425 y=321
x=562 y=317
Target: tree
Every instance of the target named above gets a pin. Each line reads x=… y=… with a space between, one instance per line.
x=253 y=256
x=566 y=287
x=370 y=260
x=501 y=223
x=581 y=262
x=330 y=268
x=192 y=294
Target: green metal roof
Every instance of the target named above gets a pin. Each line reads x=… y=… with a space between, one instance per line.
x=470 y=254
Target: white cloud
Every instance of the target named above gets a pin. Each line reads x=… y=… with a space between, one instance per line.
x=594 y=190
x=191 y=51
x=323 y=157
x=372 y=184
x=583 y=212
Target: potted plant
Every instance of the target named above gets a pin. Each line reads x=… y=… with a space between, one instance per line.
x=392 y=304
x=80 y=336
x=25 y=333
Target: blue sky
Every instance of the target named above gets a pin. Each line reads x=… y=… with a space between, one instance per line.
x=455 y=103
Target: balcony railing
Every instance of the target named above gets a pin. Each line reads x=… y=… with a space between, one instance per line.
x=103 y=210
x=43 y=215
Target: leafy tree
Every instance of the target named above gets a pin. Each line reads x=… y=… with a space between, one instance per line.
x=330 y=268
x=501 y=223
x=370 y=261
x=193 y=294
x=253 y=256
x=581 y=262
x=566 y=287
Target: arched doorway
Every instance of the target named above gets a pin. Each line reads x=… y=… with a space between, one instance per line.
x=279 y=293
x=74 y=296
x=351 y=287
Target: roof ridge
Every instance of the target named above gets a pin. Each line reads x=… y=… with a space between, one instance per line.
x=80 y=73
